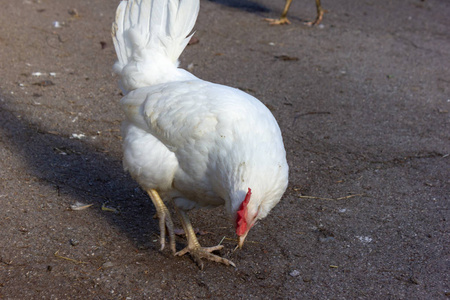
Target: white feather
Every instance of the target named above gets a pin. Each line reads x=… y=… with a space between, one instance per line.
x=149 y=36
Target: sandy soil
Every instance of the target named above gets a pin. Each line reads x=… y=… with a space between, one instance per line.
x=363 y=102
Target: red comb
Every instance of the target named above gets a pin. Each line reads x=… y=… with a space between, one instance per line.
x=241 y=219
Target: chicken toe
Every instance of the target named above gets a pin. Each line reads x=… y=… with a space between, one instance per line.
x=196 y=251
x=319 y=16
x=283 y=19
x=280 y=21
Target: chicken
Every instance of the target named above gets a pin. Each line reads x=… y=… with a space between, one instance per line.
x=186 y=140
x=284 y=20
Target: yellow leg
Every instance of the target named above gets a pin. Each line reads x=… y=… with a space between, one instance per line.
x=194 y=249
x=319 y=16
x=283 y=19
x=164 y=220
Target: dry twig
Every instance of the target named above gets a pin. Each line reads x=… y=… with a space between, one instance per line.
x=330 y=199
x=69 y=259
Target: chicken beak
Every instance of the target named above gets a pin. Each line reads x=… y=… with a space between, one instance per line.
x=242 y=239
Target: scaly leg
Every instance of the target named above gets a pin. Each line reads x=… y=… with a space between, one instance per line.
x=164 y=220
x=283 y=19
x=195 y=250
x=319 y=16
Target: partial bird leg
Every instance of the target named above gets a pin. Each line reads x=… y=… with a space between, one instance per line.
x=164 y=220
x=283 y=19
x=194 y=249
x=319 y=16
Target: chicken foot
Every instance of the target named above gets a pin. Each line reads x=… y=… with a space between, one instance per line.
x=164 y=220
x=319 y=16
x=284 y=20
x=196 y=251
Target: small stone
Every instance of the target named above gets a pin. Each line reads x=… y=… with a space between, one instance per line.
x=74 y=242
x=294 y=273
x=107 y=264
x=74 y=12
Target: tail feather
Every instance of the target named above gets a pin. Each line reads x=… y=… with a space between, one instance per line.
x=149 y=36
x=181 y=22
x=117 y=34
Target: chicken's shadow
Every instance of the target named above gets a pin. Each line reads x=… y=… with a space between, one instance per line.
x=246 y=5
x=253 y=7
x=79 y=172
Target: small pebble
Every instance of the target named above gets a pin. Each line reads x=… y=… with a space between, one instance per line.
x=326 y=239
x=294 y=273
x=74 y=242
x=78 y=136
x=74 y=12
x=107 y=264
x=44 y=83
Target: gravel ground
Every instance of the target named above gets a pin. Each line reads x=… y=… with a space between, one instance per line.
x=363 y=103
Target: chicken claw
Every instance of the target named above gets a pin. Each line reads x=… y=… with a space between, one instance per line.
x=319 y=17
x=283 y=19
x=196 y=251
x=280 y=21
x=164 y=220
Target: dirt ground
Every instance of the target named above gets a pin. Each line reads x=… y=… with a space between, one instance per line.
x=363 y=103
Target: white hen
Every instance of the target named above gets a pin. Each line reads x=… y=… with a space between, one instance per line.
x=194 y=142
